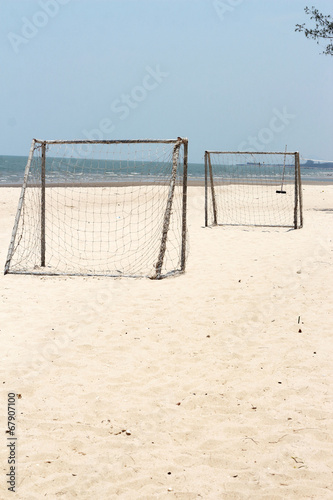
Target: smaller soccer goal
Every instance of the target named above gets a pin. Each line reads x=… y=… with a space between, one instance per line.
x=253 y=189
x=107 y=208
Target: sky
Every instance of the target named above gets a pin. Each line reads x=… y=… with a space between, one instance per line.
x=227 y=74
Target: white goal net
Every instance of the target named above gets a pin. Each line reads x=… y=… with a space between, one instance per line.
x=113 y=208
x=253 y=189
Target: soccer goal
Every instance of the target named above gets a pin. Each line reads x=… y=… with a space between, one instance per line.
x=253 y=189
x=109 y=208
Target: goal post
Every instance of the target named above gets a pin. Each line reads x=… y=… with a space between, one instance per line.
x=104 y=208
x=253 y=189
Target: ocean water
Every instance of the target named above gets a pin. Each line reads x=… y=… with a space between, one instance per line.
x=12 y=171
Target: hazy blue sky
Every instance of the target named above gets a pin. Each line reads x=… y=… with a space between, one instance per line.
x=228 y=75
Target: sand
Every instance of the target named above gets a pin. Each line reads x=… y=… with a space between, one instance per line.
x=222 y=377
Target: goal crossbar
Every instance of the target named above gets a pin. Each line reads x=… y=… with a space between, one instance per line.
x=117 y=141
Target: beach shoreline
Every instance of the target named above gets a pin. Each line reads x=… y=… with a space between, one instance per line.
x=190 y=182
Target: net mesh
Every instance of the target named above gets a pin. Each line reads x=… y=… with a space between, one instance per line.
x=251 y=189
x=104 y=210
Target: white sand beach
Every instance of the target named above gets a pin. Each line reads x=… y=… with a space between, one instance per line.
x=215 y=384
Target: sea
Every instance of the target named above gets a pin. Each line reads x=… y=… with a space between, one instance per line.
x=12 y=172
